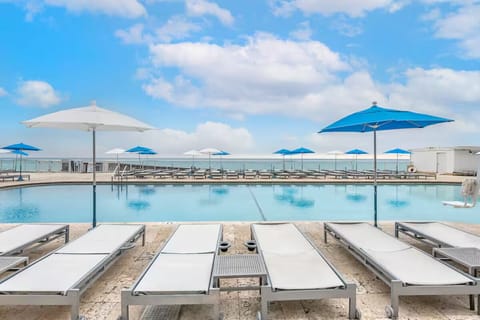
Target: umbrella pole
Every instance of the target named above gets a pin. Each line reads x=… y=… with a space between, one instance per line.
x=397 y=164
x=20 y=178
x=375 y=176
x=283 y=162
x=94 y=160
x=302 y=161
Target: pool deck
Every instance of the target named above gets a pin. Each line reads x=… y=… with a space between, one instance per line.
x=102 y=300
x=39 y=178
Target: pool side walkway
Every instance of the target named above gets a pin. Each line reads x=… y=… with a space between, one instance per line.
x=37 y=178
x=102 y=300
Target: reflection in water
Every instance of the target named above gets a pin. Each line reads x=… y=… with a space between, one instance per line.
x=356 y=197
x=22 y=211
x=147 y=190
x=398 y=203
x=139 y=205
x=289 y=196
x=215 y=194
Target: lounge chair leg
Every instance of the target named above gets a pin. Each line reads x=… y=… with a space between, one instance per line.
x=478 y=304
x=324 y=234
x=352 y=301
x=124 y=305
x=67 y=234
x=472 y=302
x=264 y=309
x=396 y=230
x=75 y=311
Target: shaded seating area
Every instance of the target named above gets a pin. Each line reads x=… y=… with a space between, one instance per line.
x=61 y=277
x=181 y=271
x=297 y=270
x=406 y=270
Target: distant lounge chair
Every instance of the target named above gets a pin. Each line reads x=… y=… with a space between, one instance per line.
x=181 y=271
x=61 y=277
x=407 y=270
x=296 y=269
x=438 y=234
x=16 y=240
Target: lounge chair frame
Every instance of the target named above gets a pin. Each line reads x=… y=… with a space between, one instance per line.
x=400 y=227
x=268 y=294
x=72 y=296
x=129 y=297
x=397 y=287
x=63 y=230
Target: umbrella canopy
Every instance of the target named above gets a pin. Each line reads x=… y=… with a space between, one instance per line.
x=301 y=151
x=21 y=146
x=221 y=153
x=283 y=152
x=147 y=152
x=116 y=151
x=356 y=152
x=377 y=118
x=20 y=152
x=89 y=118
x=193 y=153
x=18 y=149
x=138 y=149
x=397 y=151
x=209 y=151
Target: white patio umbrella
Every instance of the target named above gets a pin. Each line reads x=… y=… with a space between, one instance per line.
x=116 y=151
x=335 y=154
x=193 y=153
x=209 y=151
x=89 y=118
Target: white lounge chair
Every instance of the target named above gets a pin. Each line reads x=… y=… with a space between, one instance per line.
x=438 y=234
x=16 y=240
x=181 y=271
x=61 y=277
x=407 y=270
x=296 y=269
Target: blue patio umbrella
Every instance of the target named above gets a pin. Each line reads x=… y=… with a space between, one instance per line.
x=301 y=151
x=356 y=152
x=375 y=119
x=138 y=150
x=283 y=152
x=221 y=154
x=397 y=151
x=18 y=149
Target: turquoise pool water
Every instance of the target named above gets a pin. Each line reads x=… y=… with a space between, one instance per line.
x=148 y=203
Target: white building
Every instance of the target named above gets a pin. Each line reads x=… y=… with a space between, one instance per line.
x=446 y=159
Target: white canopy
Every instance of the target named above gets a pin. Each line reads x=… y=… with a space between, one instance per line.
x=193 y=153
x=86 y=119
x=209 y=151
x=115 y=151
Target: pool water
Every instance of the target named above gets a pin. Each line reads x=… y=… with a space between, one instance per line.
x=149 y=203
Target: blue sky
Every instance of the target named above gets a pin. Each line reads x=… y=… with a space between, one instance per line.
x=244 y=76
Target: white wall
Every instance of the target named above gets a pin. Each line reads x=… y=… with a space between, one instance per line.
x=466 y=161
x=426 y=160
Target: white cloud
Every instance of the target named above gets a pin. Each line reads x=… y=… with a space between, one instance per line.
x=346 y=28
x=3 y=92
x=353 y=8
x=304 y=32
x=37 y=94
x=132 y=35
x=203 y=7
x=120 y=8
x=176 y=27
x=464 y=26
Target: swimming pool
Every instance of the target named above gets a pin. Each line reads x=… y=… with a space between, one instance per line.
x=242 y=202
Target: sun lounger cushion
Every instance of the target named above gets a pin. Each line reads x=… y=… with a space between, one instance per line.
x=414 y=267
x=292 y=262
x=188 y=238
x=18 y=236
x=105 y=238
x=55 y=274
x=281 y=238
x=365 y=236
x=183 y=273
x=446 y=234
x=305 y=270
